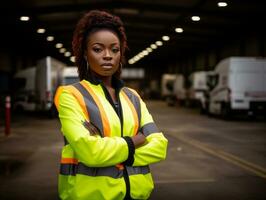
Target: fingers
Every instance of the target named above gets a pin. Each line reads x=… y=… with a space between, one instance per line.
x=91 y=128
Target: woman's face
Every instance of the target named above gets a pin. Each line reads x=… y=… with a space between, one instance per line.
x=103 y=52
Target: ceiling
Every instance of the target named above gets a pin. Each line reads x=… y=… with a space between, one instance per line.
x=146 y=21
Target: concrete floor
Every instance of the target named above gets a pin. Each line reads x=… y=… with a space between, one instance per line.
x=208 y=158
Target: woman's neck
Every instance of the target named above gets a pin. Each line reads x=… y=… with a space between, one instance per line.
x=106 y=80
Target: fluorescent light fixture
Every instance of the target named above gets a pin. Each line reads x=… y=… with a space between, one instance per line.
x=153 y=46
x=179 y=30
x=131 y=61
x=62 y=50
x=140 y=55
x=24 y=18
x=136 y=58
x=145 y=52
x=222 y=4
x=195 y=18
x=50 y=38
x=67 y=54
x=159 y=43
x=59 y=45
x=166 y=38
x=149 y=49
x=41 y=30
x=72 y=59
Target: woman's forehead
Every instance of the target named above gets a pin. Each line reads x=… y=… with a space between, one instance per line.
x=103 y=36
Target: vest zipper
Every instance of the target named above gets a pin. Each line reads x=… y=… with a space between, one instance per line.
x=120 y=116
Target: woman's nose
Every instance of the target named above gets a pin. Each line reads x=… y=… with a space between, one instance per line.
x=107 y=54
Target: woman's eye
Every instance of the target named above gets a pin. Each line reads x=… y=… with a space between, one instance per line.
x=97 y=50
x=115 y=50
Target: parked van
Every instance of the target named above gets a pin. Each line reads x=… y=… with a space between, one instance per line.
x=197 y=92
x=49 y=75
x=24 y=97
x=167 y=88
x=238 y=85
x=179 y=89
x=70 y=75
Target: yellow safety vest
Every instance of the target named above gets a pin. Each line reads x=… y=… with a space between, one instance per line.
x=90 y=167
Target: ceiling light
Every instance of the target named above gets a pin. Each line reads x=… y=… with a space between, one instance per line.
x=24 y=18
x=153 y=46
x=59 y=45
x=179 y=30
x=140 y=55
x=72 y=59
x=67 y=54
x=145 y=52
x=166 y=38
x=131 y=61
x=62 y=50
x=195 y=18
x=159 y=43
x=40 y=30
x=50 y=38
x=136 y=58
x=222 y=4
x=149 y=49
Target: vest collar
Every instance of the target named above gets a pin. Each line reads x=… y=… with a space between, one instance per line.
x=116 y=83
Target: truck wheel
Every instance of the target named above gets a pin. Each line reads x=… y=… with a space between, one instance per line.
x=225 y=111
x=202 y=110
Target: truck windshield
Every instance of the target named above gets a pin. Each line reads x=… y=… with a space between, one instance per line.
x=212 y=81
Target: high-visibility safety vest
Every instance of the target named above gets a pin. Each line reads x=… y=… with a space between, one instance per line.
x=91 y=165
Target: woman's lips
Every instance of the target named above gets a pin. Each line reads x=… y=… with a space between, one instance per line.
x=107 y=66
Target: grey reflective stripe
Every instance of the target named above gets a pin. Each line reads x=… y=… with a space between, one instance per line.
x=149 y=128
x=135 y=101
x=113 y=172
x=92 y=108
x=68 y=169
x=138 y=170
x=80 y=168
x=99 y=171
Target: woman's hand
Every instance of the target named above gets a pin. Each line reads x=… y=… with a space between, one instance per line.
x=138 y=140
x=91 y=128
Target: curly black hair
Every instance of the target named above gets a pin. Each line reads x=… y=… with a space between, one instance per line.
x=90 y=22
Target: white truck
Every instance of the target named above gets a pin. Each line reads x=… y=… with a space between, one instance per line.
x=49 y=75
x=24 y=90
x=167 y=88
x=198 y=89
x=70 y=75
x=238 y=84
x=179 y=89
x=172 y=89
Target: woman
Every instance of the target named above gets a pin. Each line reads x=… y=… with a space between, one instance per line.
x=110 y=137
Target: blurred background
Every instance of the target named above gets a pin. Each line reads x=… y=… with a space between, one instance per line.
x=200 y=65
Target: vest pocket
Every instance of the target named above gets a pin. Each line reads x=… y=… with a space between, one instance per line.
x=141 y=186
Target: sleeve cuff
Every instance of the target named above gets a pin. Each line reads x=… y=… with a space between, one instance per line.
x=131 y=151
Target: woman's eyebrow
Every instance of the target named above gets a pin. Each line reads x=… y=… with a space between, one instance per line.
x=112 y=44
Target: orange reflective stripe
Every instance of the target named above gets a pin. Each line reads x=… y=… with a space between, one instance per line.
x=57 y=95
x=69 y=161
x=80 y=99
x=120 y=166
x=106 y=125
x=134 y=112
